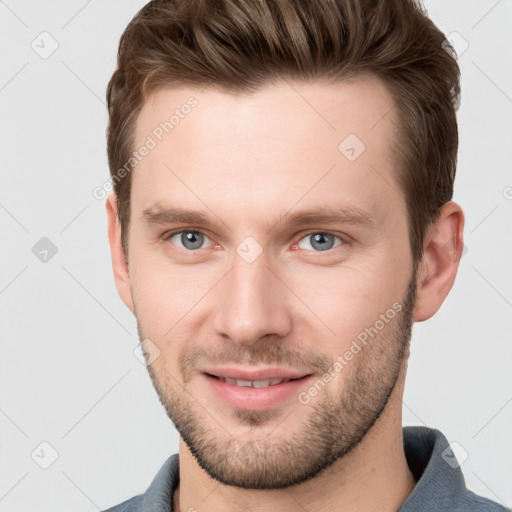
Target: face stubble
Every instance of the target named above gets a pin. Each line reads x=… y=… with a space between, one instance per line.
x=335 y=425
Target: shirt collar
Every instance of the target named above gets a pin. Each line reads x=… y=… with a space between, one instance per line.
x=433 y=464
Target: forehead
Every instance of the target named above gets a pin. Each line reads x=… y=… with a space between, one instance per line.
x=287 y=140
x=353 y=106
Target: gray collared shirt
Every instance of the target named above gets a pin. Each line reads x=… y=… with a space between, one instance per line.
x=440 y=483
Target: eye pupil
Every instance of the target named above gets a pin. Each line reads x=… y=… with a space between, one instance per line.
x=192 y=239
x=322 y=241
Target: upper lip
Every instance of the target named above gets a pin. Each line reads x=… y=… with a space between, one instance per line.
x=256 y=374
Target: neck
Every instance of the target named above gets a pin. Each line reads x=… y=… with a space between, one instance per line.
x=373 y=476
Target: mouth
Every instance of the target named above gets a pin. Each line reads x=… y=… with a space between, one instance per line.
x=255 y=390
x=253 y=383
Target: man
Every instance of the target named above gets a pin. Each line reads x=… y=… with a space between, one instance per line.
x=282 y=214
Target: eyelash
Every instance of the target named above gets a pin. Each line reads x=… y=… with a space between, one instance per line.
x=169 y=235
x=344 y=239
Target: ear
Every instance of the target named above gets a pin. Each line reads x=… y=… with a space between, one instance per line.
x=119 y=264
x=442 y=251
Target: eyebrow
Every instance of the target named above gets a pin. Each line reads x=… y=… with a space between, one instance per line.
x=352 y=215
x=160 y=215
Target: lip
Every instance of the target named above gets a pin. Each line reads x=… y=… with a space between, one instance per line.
x=233 y=372
x=256 y=399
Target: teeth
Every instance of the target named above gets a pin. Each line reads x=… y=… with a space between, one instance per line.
x=253 y=383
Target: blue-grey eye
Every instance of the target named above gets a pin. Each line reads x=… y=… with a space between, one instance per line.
x=190 y=240
x=319 y=242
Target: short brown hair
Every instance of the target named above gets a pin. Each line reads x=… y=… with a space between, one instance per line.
x=240 y=45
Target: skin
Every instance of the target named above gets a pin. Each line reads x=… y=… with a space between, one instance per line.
x=246 y=161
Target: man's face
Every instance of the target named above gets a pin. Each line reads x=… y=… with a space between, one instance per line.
x=300 y=258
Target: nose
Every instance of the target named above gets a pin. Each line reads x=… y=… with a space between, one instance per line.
x=252 y=303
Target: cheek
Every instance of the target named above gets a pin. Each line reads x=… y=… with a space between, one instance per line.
x=171 y=300
x=162 y=295
x=164 y=306
x=349 y=299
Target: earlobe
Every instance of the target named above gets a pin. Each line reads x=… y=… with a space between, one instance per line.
x=119 y=263
x=442 y=251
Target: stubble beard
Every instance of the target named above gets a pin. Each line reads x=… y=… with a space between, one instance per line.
x=335 y=425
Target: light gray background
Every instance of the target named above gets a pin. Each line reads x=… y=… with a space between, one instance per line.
x=68 y=373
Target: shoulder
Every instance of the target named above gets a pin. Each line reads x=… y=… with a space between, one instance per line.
x=475 y=503
x=131 y=505
x=158 y=495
